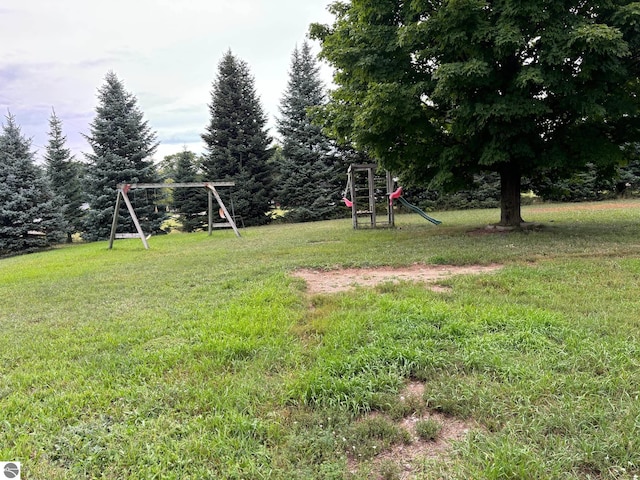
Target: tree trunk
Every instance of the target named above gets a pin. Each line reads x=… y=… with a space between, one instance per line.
x=510 y=215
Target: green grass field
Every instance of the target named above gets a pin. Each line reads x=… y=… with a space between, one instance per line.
x=203 y=359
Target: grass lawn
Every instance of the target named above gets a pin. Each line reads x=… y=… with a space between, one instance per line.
x=202 y=358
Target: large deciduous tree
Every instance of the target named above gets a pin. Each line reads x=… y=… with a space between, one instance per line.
x=29 y=215
x=236 y=140
x=311 y=174
x=65 y=175
x=444 y=89
x=122 y=145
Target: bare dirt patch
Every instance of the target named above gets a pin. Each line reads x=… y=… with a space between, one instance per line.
x=406 y=456
x=332 y=281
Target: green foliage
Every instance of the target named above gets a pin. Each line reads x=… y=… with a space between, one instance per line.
x=236 y=141
x=310 y=173
x=586 y=185
x=629 y=179
x=189 y=203
x=65 y=175
x=372 y=435
x=443 y=91
x=389 y=470
x=428 y=429
x=29 y=215
x=484 y=192
x=122 y=144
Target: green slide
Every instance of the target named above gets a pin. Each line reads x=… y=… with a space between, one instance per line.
x=419 y=212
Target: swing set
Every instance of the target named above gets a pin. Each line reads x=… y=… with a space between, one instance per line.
x=122 y=194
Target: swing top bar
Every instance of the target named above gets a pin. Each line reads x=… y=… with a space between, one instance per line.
x=133 y=186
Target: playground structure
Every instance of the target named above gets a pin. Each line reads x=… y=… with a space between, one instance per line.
x=372 y=197
x=369 y=193
x=122 y=194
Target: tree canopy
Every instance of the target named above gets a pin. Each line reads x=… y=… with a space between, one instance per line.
x=443 y=90
x=122 y=144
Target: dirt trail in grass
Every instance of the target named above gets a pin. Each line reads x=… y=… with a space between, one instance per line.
x=332 y=281
x=406 y=456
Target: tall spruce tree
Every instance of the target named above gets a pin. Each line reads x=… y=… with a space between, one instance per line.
x=122 y=144
x=29 y=218
x=65 y=176
x=311 y=174
x=189 y=202
x=237 y=143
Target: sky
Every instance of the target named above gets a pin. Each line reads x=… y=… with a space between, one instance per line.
x=55 y=55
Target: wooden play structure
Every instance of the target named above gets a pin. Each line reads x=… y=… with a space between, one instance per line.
x=124 y=188
x=372 y=197
x=369 y=192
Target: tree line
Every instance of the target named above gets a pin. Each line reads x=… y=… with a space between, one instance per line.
x=40 y=206
x=487 y=99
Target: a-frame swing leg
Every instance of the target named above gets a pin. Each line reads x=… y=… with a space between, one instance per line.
x=134 y=217
x=114 y=223
x=224 y=209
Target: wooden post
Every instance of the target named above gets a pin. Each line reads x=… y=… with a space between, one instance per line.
x=372 y=195
x=224 y=209
x=354 y=208
x=114 y=223
x=210 y=204
x=390 y=189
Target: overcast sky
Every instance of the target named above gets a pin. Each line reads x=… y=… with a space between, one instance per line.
x=55 y=54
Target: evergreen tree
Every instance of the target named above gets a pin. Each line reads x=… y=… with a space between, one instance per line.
x=586 y=185
x=311 y=173
x=628 y=183
x=65 y=176
x=29 y=219
x=237 y=143
x=189 y=202
x=122 y=144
